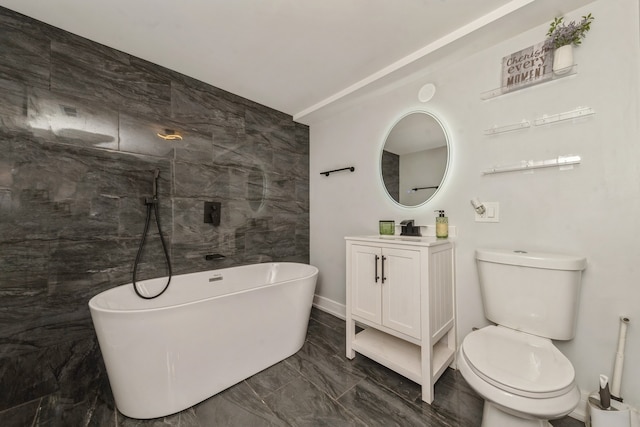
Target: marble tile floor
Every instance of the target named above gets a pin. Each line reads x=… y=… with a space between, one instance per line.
x=318 y=386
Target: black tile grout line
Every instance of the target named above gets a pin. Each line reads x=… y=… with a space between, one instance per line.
x=349 y=389
x=347 y=409
x=37 y=412
x=262 y=399
x=336 y=399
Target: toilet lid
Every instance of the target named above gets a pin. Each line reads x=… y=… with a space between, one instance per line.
x=519 y=362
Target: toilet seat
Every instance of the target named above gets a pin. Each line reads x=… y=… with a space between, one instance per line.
x=518 y=363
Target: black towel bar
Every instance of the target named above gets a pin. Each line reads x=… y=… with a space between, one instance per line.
x=327 y=173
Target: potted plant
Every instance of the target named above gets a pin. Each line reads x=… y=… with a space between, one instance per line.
x=562 y=37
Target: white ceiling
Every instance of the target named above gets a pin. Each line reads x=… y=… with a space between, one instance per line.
x=296 y=56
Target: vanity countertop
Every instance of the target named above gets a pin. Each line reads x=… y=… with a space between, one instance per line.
x=405 y=240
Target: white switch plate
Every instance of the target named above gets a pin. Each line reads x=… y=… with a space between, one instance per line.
x=491 y=214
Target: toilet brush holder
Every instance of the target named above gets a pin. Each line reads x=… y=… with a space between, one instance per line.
x=617 y=416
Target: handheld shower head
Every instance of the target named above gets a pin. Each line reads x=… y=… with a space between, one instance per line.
x=156 y=175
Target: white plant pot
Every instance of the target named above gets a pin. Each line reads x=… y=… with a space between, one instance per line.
x=563 y=59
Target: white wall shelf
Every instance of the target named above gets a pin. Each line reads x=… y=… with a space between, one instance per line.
x=508 y=128
x=567 y=115
x=564 y=162
x=503 y=90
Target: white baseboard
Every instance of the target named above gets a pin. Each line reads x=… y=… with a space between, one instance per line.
x=330 y=306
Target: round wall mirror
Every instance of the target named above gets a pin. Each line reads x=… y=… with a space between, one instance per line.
x=414 y=159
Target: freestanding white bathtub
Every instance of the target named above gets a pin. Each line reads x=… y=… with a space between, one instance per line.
x=208 y=331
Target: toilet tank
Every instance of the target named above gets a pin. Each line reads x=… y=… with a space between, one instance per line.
x=532 y=292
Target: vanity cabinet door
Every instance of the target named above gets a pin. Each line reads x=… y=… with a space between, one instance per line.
x=401 y=291
x=385 y=287
x=366 y=277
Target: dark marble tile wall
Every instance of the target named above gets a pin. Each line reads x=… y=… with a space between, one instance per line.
x=78 y=144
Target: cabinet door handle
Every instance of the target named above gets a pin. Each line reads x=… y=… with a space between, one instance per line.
x=376 y=272
x=383 y=260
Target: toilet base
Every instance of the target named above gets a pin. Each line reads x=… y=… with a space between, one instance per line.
x=494 y=416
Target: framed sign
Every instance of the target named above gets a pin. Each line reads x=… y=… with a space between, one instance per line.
x=526 y=67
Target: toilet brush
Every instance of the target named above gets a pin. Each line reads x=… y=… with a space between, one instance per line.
x=605 y=394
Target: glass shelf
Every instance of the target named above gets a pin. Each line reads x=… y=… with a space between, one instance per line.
x=503 y=90
x=567 y=115
x=508 y=128
x=563 y=162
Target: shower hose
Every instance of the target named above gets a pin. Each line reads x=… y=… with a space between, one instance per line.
x=151 y=205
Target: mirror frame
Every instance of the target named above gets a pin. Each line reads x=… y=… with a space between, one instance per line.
x=446 y=169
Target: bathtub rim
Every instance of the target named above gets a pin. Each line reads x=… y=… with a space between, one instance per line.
x=94 y=307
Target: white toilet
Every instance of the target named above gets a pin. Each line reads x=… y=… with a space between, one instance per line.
x=533 y=299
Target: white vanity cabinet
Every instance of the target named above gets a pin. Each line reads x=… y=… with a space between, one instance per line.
x=401 y=291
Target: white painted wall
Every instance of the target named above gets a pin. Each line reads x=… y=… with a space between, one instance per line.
x=593 y=209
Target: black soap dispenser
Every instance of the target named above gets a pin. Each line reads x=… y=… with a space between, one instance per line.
x=442 y=225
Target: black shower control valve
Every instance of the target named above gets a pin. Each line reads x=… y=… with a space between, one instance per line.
x=212 y=212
